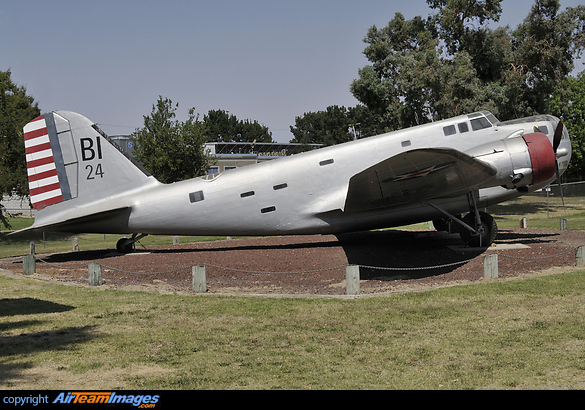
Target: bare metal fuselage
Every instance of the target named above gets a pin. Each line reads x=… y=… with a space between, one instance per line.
x=300 y=194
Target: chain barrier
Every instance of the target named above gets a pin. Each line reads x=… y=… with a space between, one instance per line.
x=539 y=257
x=446 y=265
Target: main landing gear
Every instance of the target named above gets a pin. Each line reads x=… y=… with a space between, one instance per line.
x=476 y=229
x=126 y=245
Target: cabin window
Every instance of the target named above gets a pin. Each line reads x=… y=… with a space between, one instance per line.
x=247 y=194
x=196 y=196
x=326 y=162
x=463 y=127
x=268 y=209
x=542 y=128
x=279 y=186
x=480 y=123
x=449 y=130
x=406 y=143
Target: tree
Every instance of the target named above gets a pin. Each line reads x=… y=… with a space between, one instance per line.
x=328 y=127
x=335 y=125
x=171 y=150
x=16 y=110
x=225 y=127
x=448 y=64
x=570 y=106
x=546 y=44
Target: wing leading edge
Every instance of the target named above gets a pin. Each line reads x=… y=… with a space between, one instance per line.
x=414 y=176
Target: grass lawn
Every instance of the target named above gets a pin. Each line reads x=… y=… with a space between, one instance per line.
x=19 y=244
x=520 y=334
x=516 y=334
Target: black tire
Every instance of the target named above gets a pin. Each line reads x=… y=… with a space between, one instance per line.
x=446 y=225
x=124 y=245
x=441 y=224
x=490 y=231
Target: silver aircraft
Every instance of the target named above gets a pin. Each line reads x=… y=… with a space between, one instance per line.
x=80 y=181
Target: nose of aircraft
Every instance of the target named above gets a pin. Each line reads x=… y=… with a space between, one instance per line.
x=562 y=146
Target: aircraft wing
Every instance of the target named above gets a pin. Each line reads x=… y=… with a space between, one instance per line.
x=414 y=176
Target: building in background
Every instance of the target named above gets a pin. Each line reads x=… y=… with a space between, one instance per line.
x=230 y=155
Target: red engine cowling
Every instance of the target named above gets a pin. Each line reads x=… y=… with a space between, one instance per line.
x=542 y=156
x=520 y=161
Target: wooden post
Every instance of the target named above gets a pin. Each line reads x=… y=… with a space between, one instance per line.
x=563 y=224
x=523 y=223
x=175 y=240
x=75 y=244
x=32 y=248
x=490 y=266
x=580 y=256
x=95 y=274
x=29 y=265
x=352 y=279
x=199 y=280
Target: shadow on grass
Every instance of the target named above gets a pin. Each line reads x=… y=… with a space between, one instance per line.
x=30 y=306
x=15 y=348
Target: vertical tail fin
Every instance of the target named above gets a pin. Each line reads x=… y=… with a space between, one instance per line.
x=71 y=161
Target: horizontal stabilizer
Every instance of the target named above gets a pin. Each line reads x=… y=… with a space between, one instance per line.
x=83 y=223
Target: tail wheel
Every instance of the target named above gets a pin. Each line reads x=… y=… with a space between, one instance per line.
x=486 y=233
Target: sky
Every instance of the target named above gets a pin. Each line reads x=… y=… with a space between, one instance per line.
x=263 y=60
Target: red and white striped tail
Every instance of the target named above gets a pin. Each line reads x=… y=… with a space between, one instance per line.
x=43 y=180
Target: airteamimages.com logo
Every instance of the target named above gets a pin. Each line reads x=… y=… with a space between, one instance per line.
x=77 y=398
x=142 y=401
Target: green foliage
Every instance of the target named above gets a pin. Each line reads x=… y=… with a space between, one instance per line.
x=570 y=106
x=335 y=125
x=171 y=150
x=323 y=127
x=223 y=127
x=16 y=109
x=449 y=64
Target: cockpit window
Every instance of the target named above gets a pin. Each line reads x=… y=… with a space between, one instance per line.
x=491 y=117
x=480 y=123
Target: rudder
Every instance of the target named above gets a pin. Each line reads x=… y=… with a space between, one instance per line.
x=69 y=158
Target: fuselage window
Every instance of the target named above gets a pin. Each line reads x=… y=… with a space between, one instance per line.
x=269 y=209
x=480 y=124
x=406 y=143
x=279 y=186
x=542 y=128
x=196 y=196
x=463 y=127
x=247 y=194
x=449 y=130
x=326 y=162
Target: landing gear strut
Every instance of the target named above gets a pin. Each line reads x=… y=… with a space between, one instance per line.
x=477 y=229
x=484 y=233
x=126 y=245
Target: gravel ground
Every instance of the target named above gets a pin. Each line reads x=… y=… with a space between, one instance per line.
x=391 y=261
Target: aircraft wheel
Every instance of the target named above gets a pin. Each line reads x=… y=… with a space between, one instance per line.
x=446 y=225
x=441 y=224
x=124 y=245
x=490 y=230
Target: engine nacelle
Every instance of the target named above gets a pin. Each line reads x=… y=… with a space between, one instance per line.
x=521 y=161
